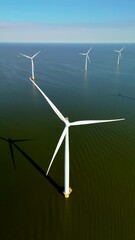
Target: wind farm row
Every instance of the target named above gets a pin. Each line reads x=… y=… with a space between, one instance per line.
x=85 y=54
x=87 y=58
x=68 y=124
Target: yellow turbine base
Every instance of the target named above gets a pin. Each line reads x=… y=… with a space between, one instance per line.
x=33 y=78
x=66 y=195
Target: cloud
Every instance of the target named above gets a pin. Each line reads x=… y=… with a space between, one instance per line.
x=92 y=32
x=6 y=25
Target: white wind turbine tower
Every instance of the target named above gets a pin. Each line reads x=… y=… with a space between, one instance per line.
x=65 y=134
x=86 y=58
x=119 y=55
x=32 y=62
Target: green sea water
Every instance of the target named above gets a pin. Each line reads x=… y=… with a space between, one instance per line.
x=102 y=156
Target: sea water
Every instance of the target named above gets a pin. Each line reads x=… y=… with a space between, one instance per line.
x=102 y=156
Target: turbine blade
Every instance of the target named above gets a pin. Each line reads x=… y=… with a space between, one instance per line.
x=121 y=49
x=94 y=121
x=88 y=59
x=89 y=50
x=57 y=148
x=25 y=55
x=59 y=114
x=84 y=54
x=4 y=139
x=35 y=54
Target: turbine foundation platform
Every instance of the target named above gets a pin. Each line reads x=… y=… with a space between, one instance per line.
x=66 y=195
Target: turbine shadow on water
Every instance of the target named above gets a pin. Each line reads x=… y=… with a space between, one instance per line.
x=127 y=97
x=119 y=92
x=39 y=169
x=9 y=141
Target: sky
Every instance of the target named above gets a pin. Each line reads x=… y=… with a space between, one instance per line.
x=67 y=21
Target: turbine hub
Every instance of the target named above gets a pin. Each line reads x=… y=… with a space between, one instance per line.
x=67 y=122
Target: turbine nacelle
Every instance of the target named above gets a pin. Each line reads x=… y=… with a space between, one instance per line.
x=67 y=123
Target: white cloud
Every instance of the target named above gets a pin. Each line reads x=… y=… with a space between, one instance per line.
x=95 y=32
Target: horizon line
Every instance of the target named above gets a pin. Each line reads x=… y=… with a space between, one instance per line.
x=43 y=42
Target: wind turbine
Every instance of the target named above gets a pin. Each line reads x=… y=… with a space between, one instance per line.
x=65 y=134
x=32 y=62
x=119 y=55
x=86 y=58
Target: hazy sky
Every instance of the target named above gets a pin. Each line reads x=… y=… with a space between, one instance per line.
x=67 y=21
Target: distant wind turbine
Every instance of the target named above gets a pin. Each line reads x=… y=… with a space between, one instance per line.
x=86 y=58
x=119 y=55
x=65 y=134
x=32 y=62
